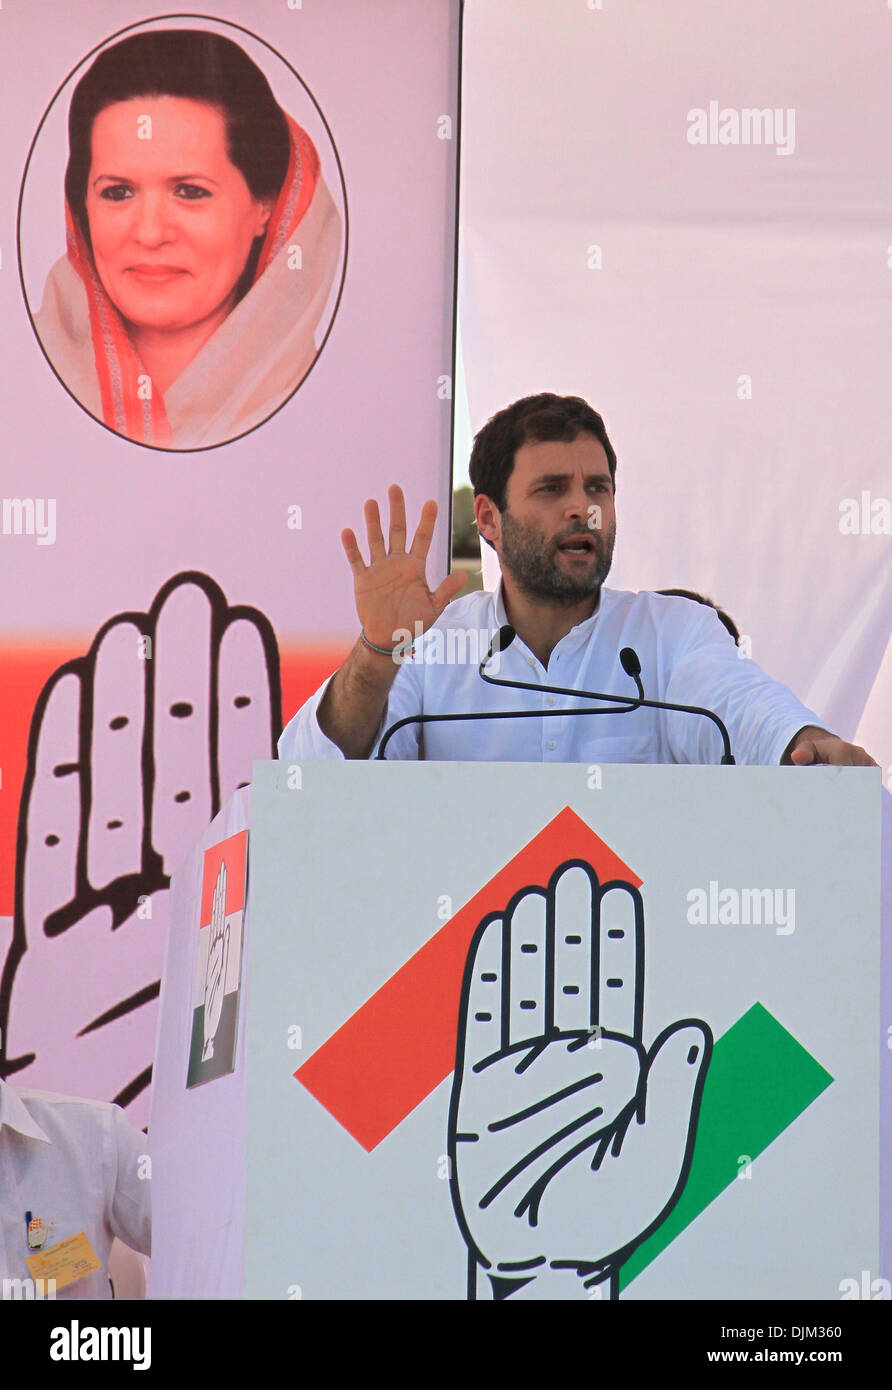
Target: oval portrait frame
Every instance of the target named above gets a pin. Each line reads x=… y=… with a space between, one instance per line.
x=334 y=298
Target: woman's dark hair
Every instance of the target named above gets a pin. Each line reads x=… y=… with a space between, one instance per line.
x=532 y=420
x=192 y=63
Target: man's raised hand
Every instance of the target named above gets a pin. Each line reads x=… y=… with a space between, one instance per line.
x=394 y=605
x=392 y=593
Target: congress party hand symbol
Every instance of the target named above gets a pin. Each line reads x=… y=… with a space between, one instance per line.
x=217 y=962
x=133 y=749
x=570 y=1141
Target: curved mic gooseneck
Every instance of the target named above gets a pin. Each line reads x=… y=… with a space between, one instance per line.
x=624 y=704
x=632 y=667
x=502 y=641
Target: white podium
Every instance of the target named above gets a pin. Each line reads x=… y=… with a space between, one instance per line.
x=528 y=1032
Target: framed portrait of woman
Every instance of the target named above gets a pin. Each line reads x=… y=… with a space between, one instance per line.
x=204 y=235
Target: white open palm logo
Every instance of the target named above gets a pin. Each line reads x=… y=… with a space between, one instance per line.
x=570 y=1141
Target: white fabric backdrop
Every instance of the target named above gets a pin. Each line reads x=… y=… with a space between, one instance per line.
x=718 y=262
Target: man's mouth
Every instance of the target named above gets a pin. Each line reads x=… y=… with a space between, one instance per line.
x=577 y=545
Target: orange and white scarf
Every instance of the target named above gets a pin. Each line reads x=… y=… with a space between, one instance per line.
x=128 y=404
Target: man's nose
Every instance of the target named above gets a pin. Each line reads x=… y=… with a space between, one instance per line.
x=576 y=502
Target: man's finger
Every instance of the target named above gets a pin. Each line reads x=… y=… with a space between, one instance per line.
x=841 y=754
x=377 y=548
x=831 y=752
x=352 y=551
x=424 y=534
x=397 y=520
x=446 y=592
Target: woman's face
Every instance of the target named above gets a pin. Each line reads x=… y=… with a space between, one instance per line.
x=171 y=219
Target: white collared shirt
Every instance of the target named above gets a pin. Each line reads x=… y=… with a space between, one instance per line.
x=686 y=654
x=78 y=1165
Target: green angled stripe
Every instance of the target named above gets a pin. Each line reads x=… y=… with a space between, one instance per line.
x=759 y=1081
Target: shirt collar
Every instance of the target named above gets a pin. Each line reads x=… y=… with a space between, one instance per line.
x=14 y=1114
x=582 y=629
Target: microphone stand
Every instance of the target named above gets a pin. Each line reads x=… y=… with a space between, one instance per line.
x=631 y=665
x=623 y=701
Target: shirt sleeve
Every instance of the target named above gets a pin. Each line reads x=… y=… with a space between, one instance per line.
x=302 y=739
x=762 y=715
x=130 y=1212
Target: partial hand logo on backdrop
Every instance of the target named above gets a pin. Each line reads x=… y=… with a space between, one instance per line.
x=132 y=751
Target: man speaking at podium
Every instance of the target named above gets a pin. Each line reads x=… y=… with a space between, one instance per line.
x=544 y=473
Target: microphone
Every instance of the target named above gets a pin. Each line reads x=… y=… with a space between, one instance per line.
x=631 y=664
x=632 y=667
x=501 y=641
x=625 y=705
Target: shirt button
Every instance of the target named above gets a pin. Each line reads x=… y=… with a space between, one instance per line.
x=551 y=744
x=550 y=700
x=531 y=661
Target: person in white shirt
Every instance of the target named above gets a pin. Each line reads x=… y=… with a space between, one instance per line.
x=71 y=1166
x=543 y=472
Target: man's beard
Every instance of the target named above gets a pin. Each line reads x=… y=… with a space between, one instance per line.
x=534 y=566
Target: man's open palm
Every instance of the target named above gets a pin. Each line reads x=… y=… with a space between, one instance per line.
x=391 y=591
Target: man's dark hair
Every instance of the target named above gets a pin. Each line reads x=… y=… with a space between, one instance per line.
x=532 y=420
x=722 y=616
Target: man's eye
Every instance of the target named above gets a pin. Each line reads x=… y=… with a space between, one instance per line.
x=192 y=192
x=116 y=192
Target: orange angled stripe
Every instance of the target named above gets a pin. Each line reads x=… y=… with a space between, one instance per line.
x=398 y=1047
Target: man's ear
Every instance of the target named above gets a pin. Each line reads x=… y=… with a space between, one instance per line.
x=488 y=518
